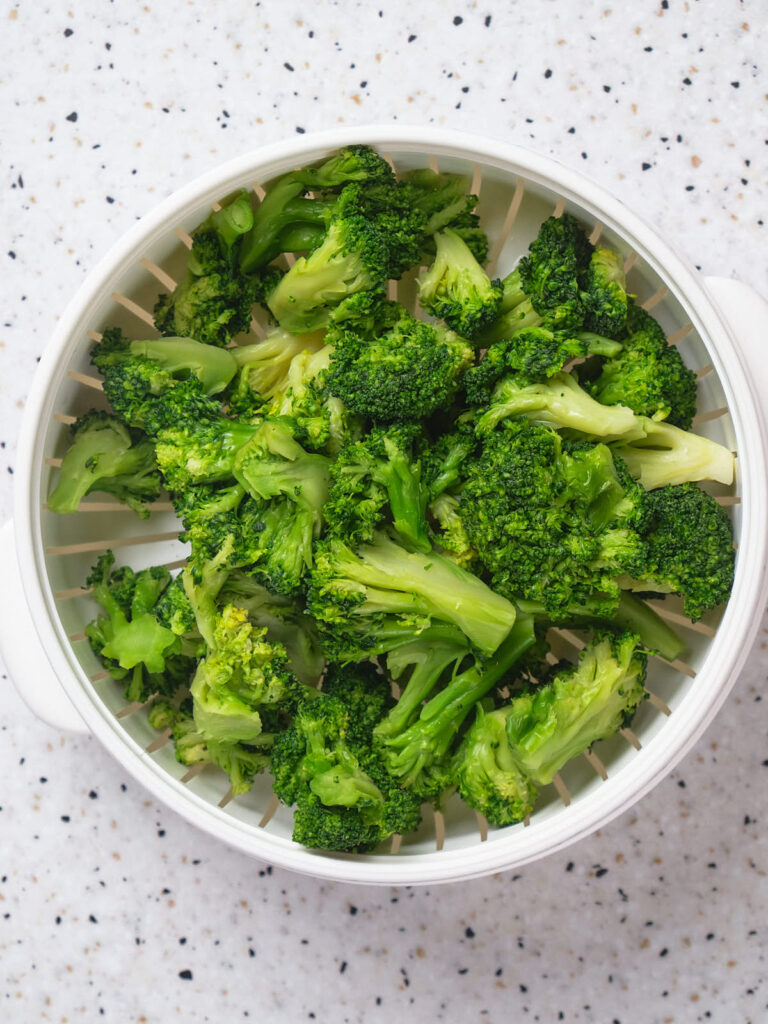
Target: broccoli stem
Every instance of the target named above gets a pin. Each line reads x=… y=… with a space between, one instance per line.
x=521 y=316
x=512 y=291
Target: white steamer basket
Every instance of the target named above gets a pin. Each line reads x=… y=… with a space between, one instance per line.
x=719 y=327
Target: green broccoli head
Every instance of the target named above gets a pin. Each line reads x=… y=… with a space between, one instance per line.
x=548 y=725
x=605 y=295
x=106 y=455
x=391 y=367
x=456 y=288
x=648 y=375
x=550 y=275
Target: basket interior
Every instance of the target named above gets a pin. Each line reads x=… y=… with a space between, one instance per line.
x=511 y=209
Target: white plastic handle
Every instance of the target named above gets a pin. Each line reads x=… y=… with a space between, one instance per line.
x=746 y=313
x=22 y=651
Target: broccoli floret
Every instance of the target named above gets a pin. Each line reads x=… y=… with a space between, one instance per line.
x=689 y=548
x=272 y=463
x=658 y=454
x=486 y=774
x=325 y=764
x=548 y=725
x=130 y=639
x=243 y=679
x=604 y=294
x=158 y=363
x=561 y=403
x=213 y=303
x=105 y=455
x=201 y=452
x=368 y=601
x=375 y=479
x=449 y=533
x=648 y=376
x=457 y=289
x=534 y=354
x=285 y=622
x=391 y=367
x=282 y=211
x=549 y=524
x=443 y=199
x=264 y=367
x=419 y=755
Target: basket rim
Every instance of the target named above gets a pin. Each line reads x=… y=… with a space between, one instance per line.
x=728 y=649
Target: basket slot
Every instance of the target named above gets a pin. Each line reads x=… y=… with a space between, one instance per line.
x=129 y=709
x=658 y=703
x=397 y=841
x=477 y=180
x=87 y=379
x=680 y=620
x=432 y=164
x=94 y=336
x=630 y=737
x=678 y=335
x=226 y=798
x=98 y=676
x=159 y=274
x=258 y=190
x=629 y=262
x=559 y=207
x=704 y=370
x=117 y=542
x=62 y=595
x=392 y=290
x=76 y=637
x=270 y=812
x=509 y=220
x=681 y=666
x=439 y=830
x=482 y=825
x=527 y=821
x=65 y=418
x=596 y=763
x=597 y=230
x=571 y=638
x=183 y=237
x=55 y=463
x=562 y=789
x=707 y=417
x=191 y=773
x=727 y=499
x=658 y=296
x=258 y=329
x=135 y=309
x=156 y=744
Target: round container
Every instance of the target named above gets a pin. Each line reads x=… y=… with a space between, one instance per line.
x=719 y=327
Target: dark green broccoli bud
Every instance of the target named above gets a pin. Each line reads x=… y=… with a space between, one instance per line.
x=690 y=548
x=282 y=210
x=486 y=774
x=366 y=694
x=604 y=294
x=548 y=725
x=536 y=353
x=105 y=455
x=375 y=479
x=561 y=403
x=284 y=620
x=551 y=525
x=213 y=303
x=457 y=289
x=391 y=367
x=242 y=676
x=419 y=756
x=658 y=454
x=325 y=764
x=648 y=376
x=467 y=226
x=130 y=639
x=202 y=452
x=550 y=275
x=442 y=459
x=174 y=611
x=443 y=199
x=368 y=601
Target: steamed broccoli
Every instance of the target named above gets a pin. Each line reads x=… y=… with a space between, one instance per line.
x=213 y=303
x=604 y=293
x=534 y=354
x=648 y=376
x=389 y=366
x=658 y=454
x=457 y=289
x=106 y=455
x=370 y=600
x=375 y=479
x=160 y=362
x=130 y=639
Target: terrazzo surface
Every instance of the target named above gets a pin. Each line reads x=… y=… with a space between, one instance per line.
x=112 y=907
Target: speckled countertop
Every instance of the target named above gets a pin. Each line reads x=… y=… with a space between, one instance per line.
x=112 y=907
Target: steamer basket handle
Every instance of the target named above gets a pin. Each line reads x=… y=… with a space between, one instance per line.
x=746 y=313
x=22 y=652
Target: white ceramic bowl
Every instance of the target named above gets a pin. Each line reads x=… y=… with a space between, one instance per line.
x=716 y=323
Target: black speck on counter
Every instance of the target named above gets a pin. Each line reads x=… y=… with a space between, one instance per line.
x=665 y=5
x=458 y=20
x=185 y=975
x=735 y=85
x=548 y=73
x=72 y=117
x=412 y=38
x=288 y=67
x=569 y=866
x=69 y=32
x=646 y=167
